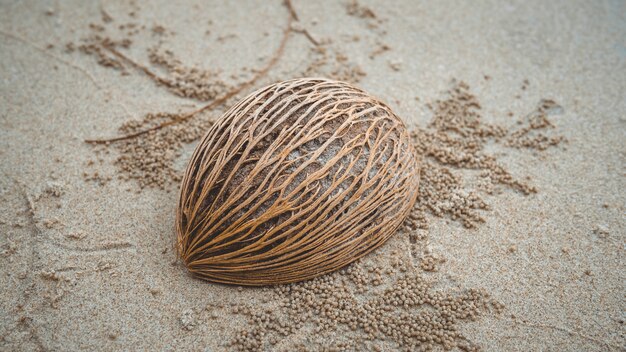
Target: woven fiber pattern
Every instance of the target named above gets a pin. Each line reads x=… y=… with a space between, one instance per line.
x=298 y=179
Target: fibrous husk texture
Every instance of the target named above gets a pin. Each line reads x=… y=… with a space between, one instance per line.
x=298 y=179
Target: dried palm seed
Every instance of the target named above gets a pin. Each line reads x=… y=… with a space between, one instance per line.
x=298 y=179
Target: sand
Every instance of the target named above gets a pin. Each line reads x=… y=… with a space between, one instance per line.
x=87 y=258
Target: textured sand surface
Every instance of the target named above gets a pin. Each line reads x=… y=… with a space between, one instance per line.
x=90 y=266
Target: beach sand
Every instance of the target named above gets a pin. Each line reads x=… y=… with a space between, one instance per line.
x=87 y=248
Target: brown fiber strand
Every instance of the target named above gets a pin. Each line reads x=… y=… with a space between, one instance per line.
x=215 y=103
x=297 y=180
x=304 y=31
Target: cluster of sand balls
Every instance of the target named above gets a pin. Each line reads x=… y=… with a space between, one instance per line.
x=532 y=130
x=187 y=81
x=149 y=160
x=442 y=194
x=456 y=139
x=406 y=313
x=431 y=262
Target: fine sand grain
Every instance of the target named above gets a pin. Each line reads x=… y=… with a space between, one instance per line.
x=516 y=242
